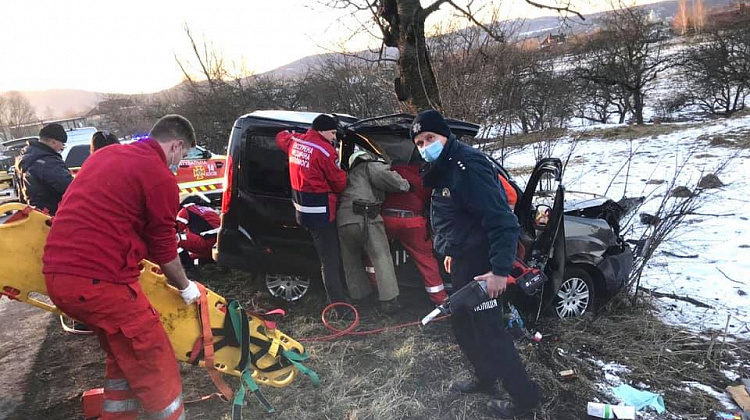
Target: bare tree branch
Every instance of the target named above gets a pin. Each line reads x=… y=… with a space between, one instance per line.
x=469 y=15
x=559 y=9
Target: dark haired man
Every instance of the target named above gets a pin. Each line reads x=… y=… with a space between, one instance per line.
x=101 y=139
x=121 y=208
x=317 y=180
x=43 y=174
x=477 y=233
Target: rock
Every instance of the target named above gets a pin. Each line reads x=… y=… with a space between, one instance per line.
x=649 y=219
x=741 y=292
x=744 y=245
x=681 y=192
x=710 y=181
x=655 y=182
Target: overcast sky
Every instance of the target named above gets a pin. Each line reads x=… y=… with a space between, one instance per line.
x=128 y=46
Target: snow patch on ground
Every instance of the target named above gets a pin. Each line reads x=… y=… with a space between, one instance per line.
x=725 y=399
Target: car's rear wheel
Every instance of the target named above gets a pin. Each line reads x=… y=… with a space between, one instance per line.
x=576 y=294
x=287 y=287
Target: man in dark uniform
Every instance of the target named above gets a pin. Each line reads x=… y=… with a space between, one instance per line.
x=477 y=233
x=43 y=174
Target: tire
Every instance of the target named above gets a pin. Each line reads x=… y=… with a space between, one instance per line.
x=284 y=287
x=576 y=294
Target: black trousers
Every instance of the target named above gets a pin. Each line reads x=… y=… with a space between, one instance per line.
x=326 y=240
x=482 y=336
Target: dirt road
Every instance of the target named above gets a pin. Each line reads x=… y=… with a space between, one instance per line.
x=41 y=372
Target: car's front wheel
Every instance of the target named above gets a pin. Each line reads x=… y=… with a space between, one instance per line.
x=576 y=294
x=287 y=287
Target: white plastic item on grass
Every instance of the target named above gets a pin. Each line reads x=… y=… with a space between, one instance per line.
x=607 y=411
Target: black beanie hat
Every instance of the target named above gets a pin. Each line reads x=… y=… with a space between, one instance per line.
x=324 y=122
x=430 y=120
x=54 y=131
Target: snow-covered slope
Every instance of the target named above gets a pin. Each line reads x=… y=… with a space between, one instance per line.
x=716 y=242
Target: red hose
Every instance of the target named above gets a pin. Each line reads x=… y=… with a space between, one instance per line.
x=349 y=330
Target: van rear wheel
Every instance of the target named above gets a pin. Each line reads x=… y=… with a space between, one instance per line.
x=287 y=287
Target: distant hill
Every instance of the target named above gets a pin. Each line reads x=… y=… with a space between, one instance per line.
x=62 y=101
x=59 y=102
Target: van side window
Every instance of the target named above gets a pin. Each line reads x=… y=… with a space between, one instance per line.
x=266 y=168
x=77 y=155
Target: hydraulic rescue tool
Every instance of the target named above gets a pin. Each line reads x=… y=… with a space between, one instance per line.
x=217 y=333
x=530 y=280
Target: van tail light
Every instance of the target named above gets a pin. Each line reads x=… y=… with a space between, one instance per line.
x=226 y=196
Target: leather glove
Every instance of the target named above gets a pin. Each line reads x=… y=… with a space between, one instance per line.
x=190 y=294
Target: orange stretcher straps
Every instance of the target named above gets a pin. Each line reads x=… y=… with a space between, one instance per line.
x=208 y=345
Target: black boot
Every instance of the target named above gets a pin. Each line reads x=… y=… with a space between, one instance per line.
x=390 y=307
x=473 y=386
x=504 y=409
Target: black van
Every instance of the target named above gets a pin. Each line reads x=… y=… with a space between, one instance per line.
x=580 y=249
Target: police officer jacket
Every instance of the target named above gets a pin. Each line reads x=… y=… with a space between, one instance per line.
x=44 y=176
x=469 y=207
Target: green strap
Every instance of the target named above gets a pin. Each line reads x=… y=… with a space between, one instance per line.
x=296 y=359
x=234 y=308
x=246 y=378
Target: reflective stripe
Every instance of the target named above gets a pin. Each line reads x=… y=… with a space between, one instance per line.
x=210 y=232
x=114 y=406
x=181 y=220
x=188 y=205
x=370 y=270
x=308 y=209
x=313 y=145
x=116 y=385
x=179 y=250
x=435 y=289
x=167 y=412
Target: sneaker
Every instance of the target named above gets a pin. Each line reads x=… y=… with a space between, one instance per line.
x=473 y=387
x=504 y=409
x=390 y=307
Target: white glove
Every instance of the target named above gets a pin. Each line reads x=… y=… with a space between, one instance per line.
x=190 y=294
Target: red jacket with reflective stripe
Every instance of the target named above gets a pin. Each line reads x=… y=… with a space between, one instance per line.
x=315 y=176
x=198 y=226
x=120 y=208
x=199 y=220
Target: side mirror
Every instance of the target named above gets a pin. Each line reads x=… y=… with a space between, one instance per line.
x=206 y=154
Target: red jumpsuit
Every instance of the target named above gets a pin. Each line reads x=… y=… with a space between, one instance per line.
x=120 y=208
x=405 y=222
x=197 y=227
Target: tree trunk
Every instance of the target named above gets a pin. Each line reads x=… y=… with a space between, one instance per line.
x=416 y=84
x=638 y=106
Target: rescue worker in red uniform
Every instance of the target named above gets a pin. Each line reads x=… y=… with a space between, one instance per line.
x=197 y=227
x=121 y=208
x=317 y=180
x=403 y=213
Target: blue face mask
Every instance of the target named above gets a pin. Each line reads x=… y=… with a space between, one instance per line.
x=432 y=151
